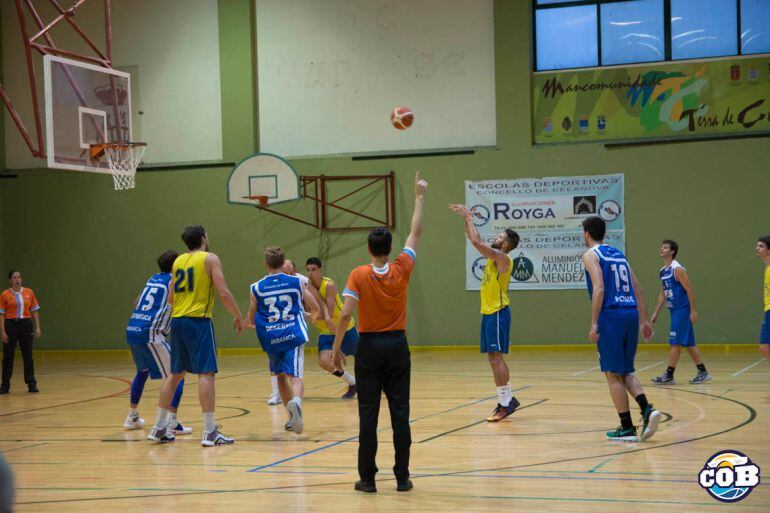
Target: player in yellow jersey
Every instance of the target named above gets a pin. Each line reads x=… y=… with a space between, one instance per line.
x=495 y=309
x=327 y=326
x=763 y=252
x=195 y=276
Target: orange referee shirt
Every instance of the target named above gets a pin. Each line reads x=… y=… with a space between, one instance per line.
x=18 y=305
x=381 y=293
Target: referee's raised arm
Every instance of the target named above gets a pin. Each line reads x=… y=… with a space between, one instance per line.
x=420 y=186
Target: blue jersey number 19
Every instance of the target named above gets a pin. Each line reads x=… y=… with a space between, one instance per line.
x=621 y=275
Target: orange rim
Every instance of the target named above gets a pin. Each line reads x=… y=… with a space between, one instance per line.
x=262 y=200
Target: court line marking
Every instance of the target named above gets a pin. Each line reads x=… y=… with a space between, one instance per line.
x=752 y=417
x=749 y=420
x=747 y=368
x=650 y=366
x=541 y=401
x=601 y=464
x=549 y=498
x=25 y=447
x=579 y=373
x=115 y=394
x=350 y=439
x=700 y=417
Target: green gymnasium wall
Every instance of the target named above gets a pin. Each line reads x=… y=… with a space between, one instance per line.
x=3 y=243
x=87 y=250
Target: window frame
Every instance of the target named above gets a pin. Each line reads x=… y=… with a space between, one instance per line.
x=598 y=3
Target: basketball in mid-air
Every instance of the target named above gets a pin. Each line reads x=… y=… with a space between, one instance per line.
x=402 y=118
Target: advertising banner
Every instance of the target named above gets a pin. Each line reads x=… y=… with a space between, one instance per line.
x=547 y=214
x=661 y=100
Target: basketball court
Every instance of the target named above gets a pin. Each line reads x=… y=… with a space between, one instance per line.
x=69 y=454
x=125 y=121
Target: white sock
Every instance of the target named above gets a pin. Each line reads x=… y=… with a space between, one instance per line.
x=508 y=393
x=297 y=400
x=172 y=421
x=349 y=378
x=501 y=398
x=161 y=420
x=133 y=412
x=209 y=423
x=274 y=384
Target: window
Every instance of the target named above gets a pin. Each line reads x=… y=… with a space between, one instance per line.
x=586 y=33
x=567 y=38
x=703 y=28
x=633 y=32
x=755 y=26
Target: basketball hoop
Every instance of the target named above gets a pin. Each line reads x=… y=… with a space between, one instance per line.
x=262 y=200
x=122 y=158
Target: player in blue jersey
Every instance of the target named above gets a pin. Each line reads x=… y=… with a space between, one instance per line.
x=618 y=312
x=678 y=295
x=146 y=335
x=276 y=308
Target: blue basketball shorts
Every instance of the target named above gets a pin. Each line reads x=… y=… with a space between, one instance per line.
x=349 y=343
x=193 y=348
x=291 y=362
x=618 y=338
x=682 y=332
x=155 y=358
x=764 y=336
x=496 y=331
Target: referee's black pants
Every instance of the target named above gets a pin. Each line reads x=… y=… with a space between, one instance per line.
x=21 y=332
x=383 y=364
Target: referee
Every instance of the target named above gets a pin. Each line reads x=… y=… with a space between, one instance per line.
x=18 y=307
x=382 y=358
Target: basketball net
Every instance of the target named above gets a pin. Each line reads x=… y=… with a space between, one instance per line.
x=123 y=159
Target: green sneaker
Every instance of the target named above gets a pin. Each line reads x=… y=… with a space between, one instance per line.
x=650 y=421
x=622 y=434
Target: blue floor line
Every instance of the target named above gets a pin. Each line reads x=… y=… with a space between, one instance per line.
x=335 y=444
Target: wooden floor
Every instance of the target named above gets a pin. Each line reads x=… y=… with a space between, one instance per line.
x=69 y=452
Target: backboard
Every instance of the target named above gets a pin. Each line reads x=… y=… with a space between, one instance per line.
x=262 y=174
x=84 y=104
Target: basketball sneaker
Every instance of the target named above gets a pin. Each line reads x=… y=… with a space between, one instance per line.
x=133 y=422
x=179 y=429
x=500 y=412
x=295 y=416
x=212 y=438
x=664 y=379
x=351 y=392
x=650 y=421
x=160 y=435
x=701 y=377
x=622 y=434
x=273 y=400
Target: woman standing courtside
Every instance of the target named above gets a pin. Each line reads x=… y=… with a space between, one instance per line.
x=18 y=306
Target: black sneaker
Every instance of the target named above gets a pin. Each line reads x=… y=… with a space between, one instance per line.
x=650 y=421
x=500 y=412
x=4 y=390
x=33 y=389
x=404 y=486
x=364 y=486
x=350 y=393
x=622 y=434
x=701 y=377
x=663 y=379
